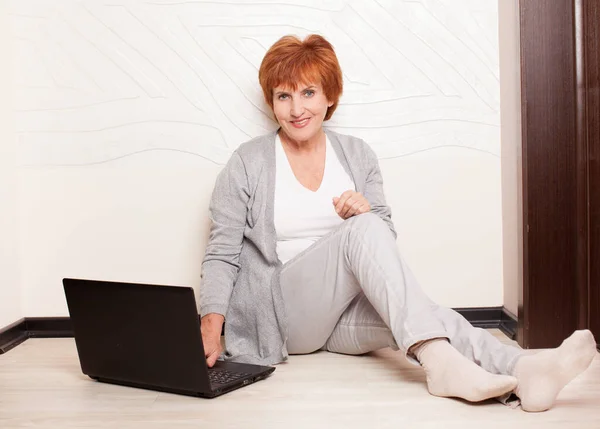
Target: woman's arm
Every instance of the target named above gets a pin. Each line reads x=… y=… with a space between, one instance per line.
x=373 y=191
x=228 y=207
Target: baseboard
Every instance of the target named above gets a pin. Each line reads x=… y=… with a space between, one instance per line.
x=491 y=317
x=508 y=324
x=34 y=327
x=482 y=317
x=60 y=327
x=12 y=336
x=49 y=327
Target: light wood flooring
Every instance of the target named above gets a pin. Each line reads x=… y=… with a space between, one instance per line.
x=41 y=386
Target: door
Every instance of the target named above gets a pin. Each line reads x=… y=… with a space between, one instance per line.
x=560 y=41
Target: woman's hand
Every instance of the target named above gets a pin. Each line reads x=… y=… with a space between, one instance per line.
x=211 y=326
x=351 y=203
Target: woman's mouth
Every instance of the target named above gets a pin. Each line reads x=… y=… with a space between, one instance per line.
x=301 y=123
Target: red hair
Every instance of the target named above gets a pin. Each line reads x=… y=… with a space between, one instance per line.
x=291 y=61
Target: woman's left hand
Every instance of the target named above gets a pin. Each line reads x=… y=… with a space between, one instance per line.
x=351 y=203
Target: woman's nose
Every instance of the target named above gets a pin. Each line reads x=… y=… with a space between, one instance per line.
x=296 y=108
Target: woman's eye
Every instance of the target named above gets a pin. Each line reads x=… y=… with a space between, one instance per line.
x=309 y=93
x=282 y=96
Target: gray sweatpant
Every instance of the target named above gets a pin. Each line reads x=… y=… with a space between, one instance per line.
x=352 y=293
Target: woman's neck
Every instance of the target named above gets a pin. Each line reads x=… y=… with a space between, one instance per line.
x=304 y=146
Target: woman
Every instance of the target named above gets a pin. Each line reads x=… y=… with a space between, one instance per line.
x=302 y=255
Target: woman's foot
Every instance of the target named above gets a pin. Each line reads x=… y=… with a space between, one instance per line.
x=450 y=374
x=543 y=375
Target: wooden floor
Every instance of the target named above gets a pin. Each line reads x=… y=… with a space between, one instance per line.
x=41 y=386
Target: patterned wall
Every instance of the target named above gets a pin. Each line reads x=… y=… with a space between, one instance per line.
x=101 y=80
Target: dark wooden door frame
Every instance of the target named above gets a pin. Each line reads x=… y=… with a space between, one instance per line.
x=590 y=35
x=560 y=188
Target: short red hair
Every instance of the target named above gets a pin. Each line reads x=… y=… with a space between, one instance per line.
x=291 y=61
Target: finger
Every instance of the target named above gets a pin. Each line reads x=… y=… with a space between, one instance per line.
x=346 y=211
x=365 y=208
x=340 y=204
x=212 y=358
x=362 y=206
x=355 y=209
x=344 y=204
x=335 y=200
x=353 y=204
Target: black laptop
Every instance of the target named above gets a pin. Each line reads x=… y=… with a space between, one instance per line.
x=148 y=336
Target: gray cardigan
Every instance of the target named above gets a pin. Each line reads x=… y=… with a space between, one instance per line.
x=240 y=271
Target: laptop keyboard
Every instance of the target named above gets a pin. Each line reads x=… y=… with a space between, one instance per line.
x=222 y=376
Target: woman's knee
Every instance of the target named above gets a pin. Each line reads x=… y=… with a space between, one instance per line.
x=369 y=226
x=358 y=340
x=303 y=349
x=366 y=221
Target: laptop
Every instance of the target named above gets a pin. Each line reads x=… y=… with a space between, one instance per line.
x=148 y=336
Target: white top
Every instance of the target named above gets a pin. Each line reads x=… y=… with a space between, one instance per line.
x=301 y=215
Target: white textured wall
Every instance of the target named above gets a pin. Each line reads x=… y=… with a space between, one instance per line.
x=10 y=292
x=126 y=111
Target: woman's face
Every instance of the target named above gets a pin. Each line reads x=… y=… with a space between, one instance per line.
x=300 y=113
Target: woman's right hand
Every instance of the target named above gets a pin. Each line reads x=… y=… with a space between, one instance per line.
x=211 y=326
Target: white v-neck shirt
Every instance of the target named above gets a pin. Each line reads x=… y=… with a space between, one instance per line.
x=301 y=215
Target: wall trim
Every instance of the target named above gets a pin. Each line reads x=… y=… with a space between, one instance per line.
x=34 y=327
x=491 y=317
x=12 y=336
x=60 y=327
